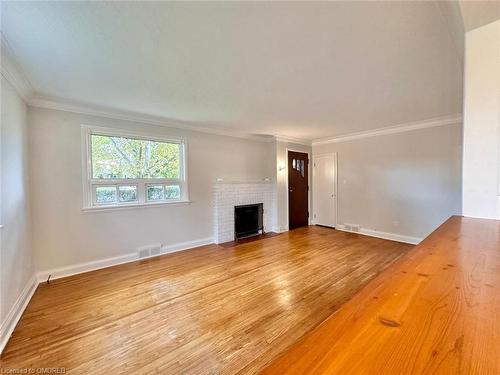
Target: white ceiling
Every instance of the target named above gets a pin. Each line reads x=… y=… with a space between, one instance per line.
x=479 y=13
x=307 y=70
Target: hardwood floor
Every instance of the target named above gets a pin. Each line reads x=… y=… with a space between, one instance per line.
x=437 y=311
x=207 y=310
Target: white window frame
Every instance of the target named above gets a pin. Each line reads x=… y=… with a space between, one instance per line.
x=90 y=184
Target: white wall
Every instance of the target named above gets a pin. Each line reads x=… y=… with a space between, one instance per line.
x=405 y=184
x=64 y=235
x=481 y=161
x=16 y=266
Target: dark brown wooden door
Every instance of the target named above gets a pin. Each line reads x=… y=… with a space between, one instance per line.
x=298 y=189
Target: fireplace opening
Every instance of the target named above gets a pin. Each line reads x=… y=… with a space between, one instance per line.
x=248 y=220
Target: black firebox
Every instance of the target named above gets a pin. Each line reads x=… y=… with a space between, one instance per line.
x=248 y=220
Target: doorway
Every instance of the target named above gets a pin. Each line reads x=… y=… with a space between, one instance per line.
x=298 y=189
x=325 y=190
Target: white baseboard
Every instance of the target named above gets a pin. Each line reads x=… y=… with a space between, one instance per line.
x=74 y=269
x=279 y=230
x=187 y=245
x=383 y=235
x=15 y=313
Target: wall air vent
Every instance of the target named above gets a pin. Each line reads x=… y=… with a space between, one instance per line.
x=144 y=252
x=149 y=250
x=155 y=250
x=352 y=227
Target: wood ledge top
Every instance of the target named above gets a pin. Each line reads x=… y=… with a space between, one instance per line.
x=436 y=310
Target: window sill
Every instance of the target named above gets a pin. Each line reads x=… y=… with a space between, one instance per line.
x=133 y=206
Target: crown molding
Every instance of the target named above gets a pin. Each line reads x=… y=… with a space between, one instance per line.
x=455 y=119
x=13 y=72
x=59 y=104
x=94 y=110
x=287 y=139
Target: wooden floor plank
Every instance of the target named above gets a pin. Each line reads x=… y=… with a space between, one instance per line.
x=436 y=311
x=212 y=309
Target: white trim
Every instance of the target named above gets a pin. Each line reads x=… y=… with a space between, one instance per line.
x=15 y=313
x=135 y=205
x=13 y=72
x=287 y=139
x=118 y=114
x=483 y=217
x=277 y=229
x=383 y=235
x=455 y=119
x=309 y=183
x=75 y=269
x=86 y=166
x=186 y=245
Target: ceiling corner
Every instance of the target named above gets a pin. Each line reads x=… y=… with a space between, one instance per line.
x=13 y=72
x=299 y=141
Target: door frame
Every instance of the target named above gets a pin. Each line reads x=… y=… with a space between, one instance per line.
x=335 y=184
x=309 y=183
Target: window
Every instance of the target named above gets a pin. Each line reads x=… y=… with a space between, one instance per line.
x=124 y=169
x=298 y=164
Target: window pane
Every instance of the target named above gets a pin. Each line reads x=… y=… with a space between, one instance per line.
x=172 y=192
x=155 y=193
x=127 y=193
x=120 y=157
x=105 y=194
